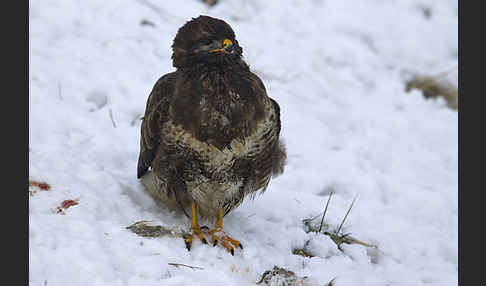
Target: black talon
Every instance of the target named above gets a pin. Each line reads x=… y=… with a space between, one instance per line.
x=204 y=241
x=241 y=246
x=204 y=227
x=232 y=251
x=188 y=246
x=215 y=242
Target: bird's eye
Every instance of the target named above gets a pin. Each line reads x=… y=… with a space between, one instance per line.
x=206 y=42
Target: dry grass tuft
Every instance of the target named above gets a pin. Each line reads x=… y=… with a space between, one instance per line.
x=335 y=235
x=280 y=276
x=140 y=228
x=302 y=252
x=210 y=2
x=434 y=87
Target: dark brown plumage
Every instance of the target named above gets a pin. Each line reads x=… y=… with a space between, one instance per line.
x=210 y=133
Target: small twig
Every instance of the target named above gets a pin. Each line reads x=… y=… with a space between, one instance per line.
x=331 y=283
x=350 y=207
x=178 y=264
x=308 y=220
x=59 y=90
x=251 y=215
x=111 y=117
x=351 y=240
x=146 y=22
x=325 y=209
x=347 y=239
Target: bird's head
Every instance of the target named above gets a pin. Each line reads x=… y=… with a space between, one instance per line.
x=205 y=40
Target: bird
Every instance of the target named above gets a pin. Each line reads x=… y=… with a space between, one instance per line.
x=210 y=134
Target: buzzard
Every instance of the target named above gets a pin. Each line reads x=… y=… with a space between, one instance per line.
x=210 y=133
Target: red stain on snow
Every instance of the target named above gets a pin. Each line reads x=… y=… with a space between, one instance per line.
x=68 y=203
x=65 y=205
x=38 y=185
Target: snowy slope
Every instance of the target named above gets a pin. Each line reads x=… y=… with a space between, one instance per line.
x=337 y=69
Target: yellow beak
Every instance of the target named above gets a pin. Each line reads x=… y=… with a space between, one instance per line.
x=227 y=47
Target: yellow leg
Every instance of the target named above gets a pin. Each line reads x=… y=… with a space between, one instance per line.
x=219 y=222
x=219 y=235
x=195 y=229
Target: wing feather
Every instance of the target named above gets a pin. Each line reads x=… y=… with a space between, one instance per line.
x=156 y=112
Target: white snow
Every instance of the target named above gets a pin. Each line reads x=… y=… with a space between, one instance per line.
x=337 y=69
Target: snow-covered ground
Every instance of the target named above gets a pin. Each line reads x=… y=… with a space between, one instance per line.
x=337 y=69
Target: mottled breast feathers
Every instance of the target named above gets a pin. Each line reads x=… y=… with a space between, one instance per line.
x=211 y=111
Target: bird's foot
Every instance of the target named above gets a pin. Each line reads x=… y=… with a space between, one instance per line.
x=195 y=232
x=219 y=236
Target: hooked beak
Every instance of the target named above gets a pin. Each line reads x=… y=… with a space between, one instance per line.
x=227 y=47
